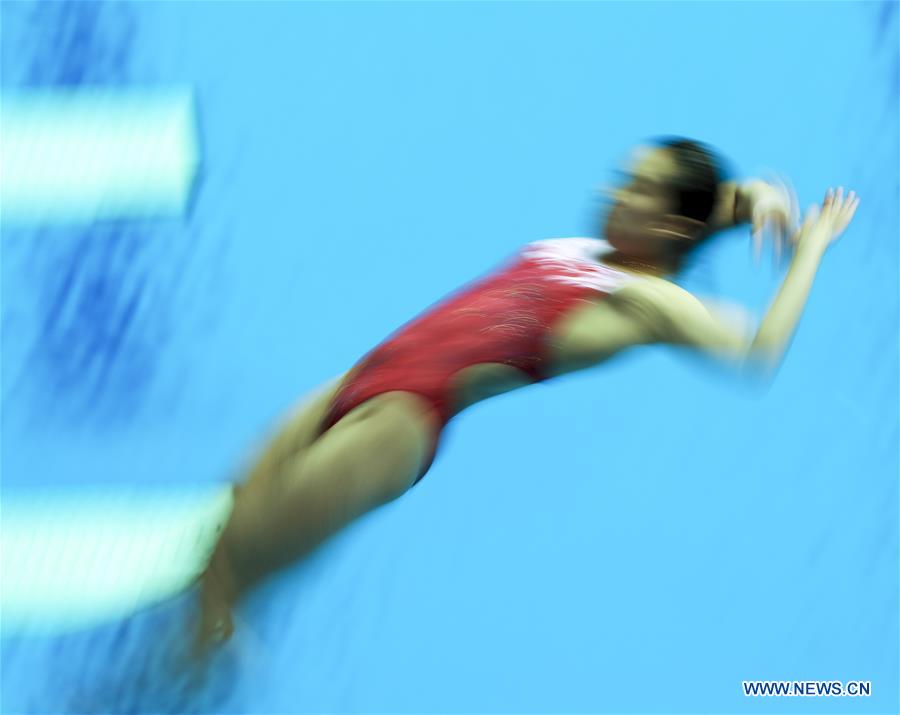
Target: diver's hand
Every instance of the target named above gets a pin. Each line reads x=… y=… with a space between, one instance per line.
x=823 y=227
x=772 y=203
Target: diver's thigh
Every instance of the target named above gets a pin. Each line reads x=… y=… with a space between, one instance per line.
x=295 y=433
x=371 y=456
x=301 y=426
x=375 y=452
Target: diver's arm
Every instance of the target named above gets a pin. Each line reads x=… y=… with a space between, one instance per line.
x=780 y=321
x=734 y=204
x=683 y=319
x=680 y=318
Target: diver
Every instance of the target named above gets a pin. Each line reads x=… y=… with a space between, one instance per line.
x=556 y=306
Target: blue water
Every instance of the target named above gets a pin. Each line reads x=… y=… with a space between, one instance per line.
x=637 y=538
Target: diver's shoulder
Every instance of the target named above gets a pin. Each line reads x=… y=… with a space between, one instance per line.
x=653 y=292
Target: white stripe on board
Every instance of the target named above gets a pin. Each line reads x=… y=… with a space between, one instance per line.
x=86 y=154
x=77 y=558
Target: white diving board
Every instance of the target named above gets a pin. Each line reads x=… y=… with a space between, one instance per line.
x=89 y=154
x=80 y=557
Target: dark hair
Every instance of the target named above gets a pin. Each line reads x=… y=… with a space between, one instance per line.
x=696 y=181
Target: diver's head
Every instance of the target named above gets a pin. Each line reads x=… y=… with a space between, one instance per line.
x=660 y=209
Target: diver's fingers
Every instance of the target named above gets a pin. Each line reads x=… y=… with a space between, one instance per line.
x=756 y=243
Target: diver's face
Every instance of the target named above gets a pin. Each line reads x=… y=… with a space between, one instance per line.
x=641 y=201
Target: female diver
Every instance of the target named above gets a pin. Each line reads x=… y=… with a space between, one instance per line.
x=559 y=305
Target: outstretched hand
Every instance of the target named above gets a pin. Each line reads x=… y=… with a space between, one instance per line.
x=822 y=226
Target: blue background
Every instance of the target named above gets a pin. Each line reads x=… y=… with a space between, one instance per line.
x=637 y=538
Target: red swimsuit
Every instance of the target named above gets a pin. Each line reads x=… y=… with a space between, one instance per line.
x=504 y=317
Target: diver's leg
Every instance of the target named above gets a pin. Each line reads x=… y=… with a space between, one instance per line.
x=298 y=429
x=370 y=457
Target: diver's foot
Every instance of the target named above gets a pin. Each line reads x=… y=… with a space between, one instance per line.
x=215 y=623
